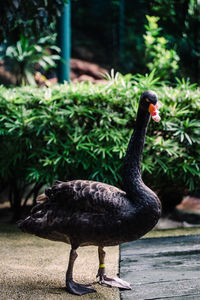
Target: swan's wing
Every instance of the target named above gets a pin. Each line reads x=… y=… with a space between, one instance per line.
x=84 y=195
x=86 y=212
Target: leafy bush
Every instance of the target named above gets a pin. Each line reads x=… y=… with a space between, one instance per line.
x=81 y=131
x=163 y=60
x=21 y=59
x=28 y=18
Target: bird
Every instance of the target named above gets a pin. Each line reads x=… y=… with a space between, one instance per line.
x=84 y=212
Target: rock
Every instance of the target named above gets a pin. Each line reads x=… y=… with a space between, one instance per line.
x=188 y=210
x=85 y=71
x=80 y=71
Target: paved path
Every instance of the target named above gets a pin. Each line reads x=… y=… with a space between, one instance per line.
x=34 y=269
x=162 y=268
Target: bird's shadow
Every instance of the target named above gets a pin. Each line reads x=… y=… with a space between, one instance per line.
x=57 y=290
x=62 y=290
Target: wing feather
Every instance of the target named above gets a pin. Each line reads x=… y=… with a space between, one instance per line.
x=87 y=195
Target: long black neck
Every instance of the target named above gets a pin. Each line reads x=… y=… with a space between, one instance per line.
x=132 y=163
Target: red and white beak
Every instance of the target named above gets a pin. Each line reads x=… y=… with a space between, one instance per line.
x=154 y=112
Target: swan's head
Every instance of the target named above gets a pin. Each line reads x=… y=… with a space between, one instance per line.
x=148 y=102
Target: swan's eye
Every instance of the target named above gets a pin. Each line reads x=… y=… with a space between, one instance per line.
x=147 y=100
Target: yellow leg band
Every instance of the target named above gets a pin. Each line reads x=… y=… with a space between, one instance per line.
x=101 y=266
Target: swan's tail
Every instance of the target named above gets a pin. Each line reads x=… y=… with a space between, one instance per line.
x=44 y=217
x=29 y=225
x=36 y=221
x=37 y=213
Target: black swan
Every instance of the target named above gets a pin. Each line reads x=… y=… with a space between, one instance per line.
x=82 y=212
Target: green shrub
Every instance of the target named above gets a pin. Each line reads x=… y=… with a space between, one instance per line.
x=81 y=131
x=158 y=56
x=21 y=59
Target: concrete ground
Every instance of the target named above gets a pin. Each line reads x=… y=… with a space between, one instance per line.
x=32 y=268
x=162 y=268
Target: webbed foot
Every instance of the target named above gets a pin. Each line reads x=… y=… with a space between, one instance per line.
x=106 y=281
x=78 y=289
x=114 y=282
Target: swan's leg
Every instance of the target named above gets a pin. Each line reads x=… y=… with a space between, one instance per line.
x=101 y=271
x=71 y=286
x=106 y=281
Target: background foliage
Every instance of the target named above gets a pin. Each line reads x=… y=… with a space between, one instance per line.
x=81 y=131
x=158 y=57
x=27 y=18
x=112 y=32
x=115 y=33
x=24 y=58
x=28 y=37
